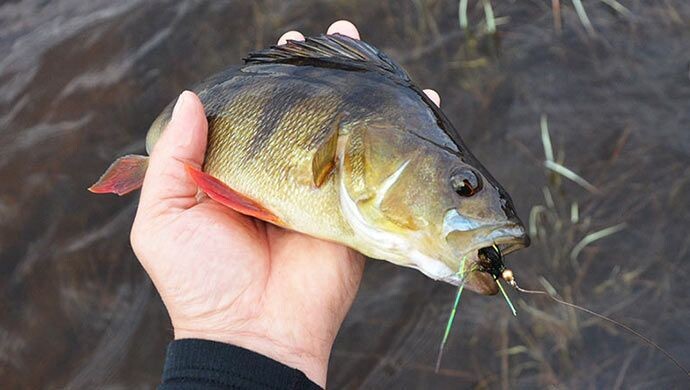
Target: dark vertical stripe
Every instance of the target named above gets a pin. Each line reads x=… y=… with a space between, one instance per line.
x=276 y=107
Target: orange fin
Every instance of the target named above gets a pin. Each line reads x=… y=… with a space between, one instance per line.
x=123 y=176
x=226 y=196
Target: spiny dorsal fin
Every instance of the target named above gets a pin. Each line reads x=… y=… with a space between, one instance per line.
x=329 y=50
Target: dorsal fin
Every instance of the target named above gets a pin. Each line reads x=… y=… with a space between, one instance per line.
x=329 y=51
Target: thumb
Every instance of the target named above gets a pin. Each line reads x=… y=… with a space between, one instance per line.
x=183 y=142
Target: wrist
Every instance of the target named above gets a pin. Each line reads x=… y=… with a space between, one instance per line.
x=311 y=359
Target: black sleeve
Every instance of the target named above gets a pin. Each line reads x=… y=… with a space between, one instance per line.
x=203 y=364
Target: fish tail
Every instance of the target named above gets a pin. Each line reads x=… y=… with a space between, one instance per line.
x=123 y=176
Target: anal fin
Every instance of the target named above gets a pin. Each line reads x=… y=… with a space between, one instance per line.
x=226 y=196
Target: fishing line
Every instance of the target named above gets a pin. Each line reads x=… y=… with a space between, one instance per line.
x=603 y=317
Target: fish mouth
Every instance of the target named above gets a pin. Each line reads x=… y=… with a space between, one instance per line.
x=483 y=262
x=508 y=245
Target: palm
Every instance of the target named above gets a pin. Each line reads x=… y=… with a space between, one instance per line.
x=230 y=274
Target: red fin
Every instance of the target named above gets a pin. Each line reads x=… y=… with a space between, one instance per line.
x=125 y=175
x=226 y=196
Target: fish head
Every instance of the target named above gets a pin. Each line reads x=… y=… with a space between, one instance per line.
x=425 y=207
x=479 y=225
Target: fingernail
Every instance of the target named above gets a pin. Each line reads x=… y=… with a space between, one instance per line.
x=184 y=134
x=290 y=35
x=434 y=96
x=179 y=104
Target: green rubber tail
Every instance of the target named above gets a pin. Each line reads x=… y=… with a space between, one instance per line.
x=505 y=295
x=449 y=325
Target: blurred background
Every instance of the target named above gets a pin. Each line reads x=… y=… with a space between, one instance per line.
x=603 y=84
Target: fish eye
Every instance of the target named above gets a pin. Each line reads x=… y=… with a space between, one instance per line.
x=465 y=182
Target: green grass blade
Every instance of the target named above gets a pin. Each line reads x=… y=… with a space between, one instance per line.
x=574 y=213
x=490 y=19
x=462 y=14
x=548 y=198
x=618 y=7
x=534 y=214
x=591 y=237
x=567 y=173
x=584 y=19
x=546 y=138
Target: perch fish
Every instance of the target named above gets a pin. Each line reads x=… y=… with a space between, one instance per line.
x=331 y=138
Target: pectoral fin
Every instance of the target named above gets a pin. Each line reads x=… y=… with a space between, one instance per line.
x=357 y=165
x=125 y=175
x=226 y=196
x=323 y=161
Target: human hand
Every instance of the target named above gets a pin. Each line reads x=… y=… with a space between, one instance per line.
x=231 y=278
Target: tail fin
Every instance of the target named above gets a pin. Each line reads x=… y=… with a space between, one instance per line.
x=123 y=176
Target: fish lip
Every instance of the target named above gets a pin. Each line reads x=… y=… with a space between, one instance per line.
x=509 y=245
x=512 y=239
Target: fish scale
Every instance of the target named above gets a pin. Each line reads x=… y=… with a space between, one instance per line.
x=236 y=128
